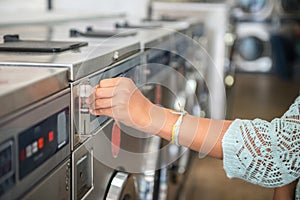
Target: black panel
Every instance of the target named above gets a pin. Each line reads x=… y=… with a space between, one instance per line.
x=7 y=166
x=13 y=43
x=38 y=143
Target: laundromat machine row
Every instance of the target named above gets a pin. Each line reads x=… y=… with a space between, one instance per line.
x=51 y=147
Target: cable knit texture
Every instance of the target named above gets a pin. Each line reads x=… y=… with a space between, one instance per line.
x=265 y=153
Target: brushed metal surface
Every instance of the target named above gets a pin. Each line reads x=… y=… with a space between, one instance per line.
x=12 y=125
x=79 y=63
x=55 y=186
x=21 y=86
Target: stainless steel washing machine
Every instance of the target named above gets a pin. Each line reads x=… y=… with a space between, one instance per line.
x=252 y=50
x=251 y=10
x=34 y=133
x=137 y=152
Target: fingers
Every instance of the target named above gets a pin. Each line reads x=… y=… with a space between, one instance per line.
x=104 y=111
x=103 y=103
x=111 y=82
x=104 y=92
x=107 y=87
x=109 y=95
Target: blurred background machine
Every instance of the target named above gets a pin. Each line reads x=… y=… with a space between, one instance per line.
x=267 y=37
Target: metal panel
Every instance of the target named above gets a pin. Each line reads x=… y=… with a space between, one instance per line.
x=55 y=186
x=12 y=125
x=23 y=86
x=80 y=62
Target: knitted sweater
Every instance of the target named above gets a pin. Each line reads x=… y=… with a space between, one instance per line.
x=265 y=153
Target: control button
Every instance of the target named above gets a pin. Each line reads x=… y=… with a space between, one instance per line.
x=41 y=143
x=28 y=151
x=50 y=136
x=34 y=147
x=22 y=155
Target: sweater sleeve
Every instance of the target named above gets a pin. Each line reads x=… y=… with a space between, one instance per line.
x=264 y=153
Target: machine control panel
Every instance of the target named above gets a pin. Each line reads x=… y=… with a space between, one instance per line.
x=7 y=171
x=39 y=142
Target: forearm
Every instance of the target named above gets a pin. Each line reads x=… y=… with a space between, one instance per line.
x=120 y=99
x=200 y=134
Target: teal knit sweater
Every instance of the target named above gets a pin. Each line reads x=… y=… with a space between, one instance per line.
x=265 y=153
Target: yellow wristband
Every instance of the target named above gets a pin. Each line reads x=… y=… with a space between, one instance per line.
x=177 y=125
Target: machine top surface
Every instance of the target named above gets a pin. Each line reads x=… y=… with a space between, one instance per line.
x=79 y=61
x=21 y=86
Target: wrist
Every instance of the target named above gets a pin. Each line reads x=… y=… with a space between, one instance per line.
x=163 y=122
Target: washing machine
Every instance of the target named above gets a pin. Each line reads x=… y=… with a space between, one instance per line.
x=35 y=140
x=252 y=51
x=251 y=10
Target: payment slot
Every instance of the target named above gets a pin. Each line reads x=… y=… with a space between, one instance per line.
x=83 y=182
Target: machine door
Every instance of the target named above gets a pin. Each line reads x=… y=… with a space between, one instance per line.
x=122 y=187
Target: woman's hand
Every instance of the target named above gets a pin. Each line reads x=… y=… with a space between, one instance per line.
x=120 y=99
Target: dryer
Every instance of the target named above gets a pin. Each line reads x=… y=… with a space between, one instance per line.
x=252 y=51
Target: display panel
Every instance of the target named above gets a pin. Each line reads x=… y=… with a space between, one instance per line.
x=7 y=172
x=6 y=158
x=41 y=141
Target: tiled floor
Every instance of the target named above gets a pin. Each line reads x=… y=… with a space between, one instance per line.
x=253 y=96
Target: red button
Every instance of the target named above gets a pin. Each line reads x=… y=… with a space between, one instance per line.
x=22 y=154
x=50 y=136
x=41 y=143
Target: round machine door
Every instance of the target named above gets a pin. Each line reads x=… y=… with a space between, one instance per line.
x=122 y=187
x=252 y=6
x=250 y=48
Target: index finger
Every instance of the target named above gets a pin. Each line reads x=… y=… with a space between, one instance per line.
x=110 y=82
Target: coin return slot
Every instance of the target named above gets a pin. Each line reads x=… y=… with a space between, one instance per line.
x=84 y=176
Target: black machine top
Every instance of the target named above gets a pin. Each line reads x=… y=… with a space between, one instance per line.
x=91 y=32
x=15 y=44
